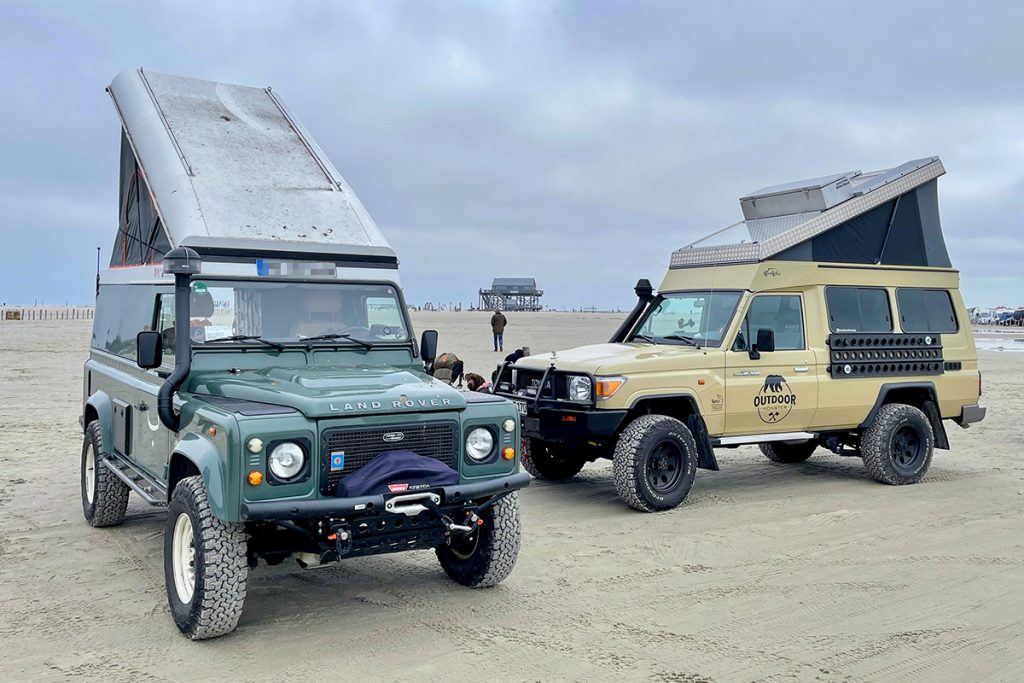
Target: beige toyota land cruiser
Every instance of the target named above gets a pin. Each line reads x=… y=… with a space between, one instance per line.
x=830 y=317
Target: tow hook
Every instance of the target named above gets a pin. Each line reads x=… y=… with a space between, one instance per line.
x=342 y=537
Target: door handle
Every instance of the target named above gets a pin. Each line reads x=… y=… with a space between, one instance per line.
x=800 y=368
x=142 y=407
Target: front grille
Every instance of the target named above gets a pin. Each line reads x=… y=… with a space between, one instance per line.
x=438 y=440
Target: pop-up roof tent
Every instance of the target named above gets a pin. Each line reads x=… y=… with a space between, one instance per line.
x=228 y=171
x=887 y=217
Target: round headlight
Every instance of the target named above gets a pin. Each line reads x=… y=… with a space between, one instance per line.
x=479 y=443
x=579 y=388
x=286 y=460
x=509 y=425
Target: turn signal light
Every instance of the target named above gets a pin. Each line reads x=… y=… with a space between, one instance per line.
x=508 y=453
x=606 y=388
x=255 y=478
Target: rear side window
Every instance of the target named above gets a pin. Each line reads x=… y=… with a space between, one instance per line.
x=858 y=309
x=122 y=311
x=926 y=310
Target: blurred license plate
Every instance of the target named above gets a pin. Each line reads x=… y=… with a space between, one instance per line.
x=521 y=407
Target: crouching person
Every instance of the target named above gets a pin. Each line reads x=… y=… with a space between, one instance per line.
x=448 y=368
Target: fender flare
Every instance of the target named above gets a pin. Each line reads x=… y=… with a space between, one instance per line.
x=706 y=459
x=215 y=471
x=100 y=404
x=930 y=409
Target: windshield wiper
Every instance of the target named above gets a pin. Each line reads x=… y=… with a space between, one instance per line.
x=682 y=338
x=649 y=340
x=246 y=337
x=341 y=335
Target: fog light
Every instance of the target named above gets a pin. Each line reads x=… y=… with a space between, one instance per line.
x=255 y=445
x=509 y=425
x=255 y=478
x=508 y=453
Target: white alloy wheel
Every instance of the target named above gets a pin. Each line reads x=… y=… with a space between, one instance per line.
x=90 y=474
x=184 y=559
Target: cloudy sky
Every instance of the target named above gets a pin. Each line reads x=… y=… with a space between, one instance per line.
x=574 y=142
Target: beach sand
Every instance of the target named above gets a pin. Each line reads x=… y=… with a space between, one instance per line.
x=807 y=572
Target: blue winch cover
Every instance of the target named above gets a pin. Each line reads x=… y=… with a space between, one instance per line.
x=395 y=472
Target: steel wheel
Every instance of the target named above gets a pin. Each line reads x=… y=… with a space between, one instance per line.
x=184 y=559
x=89 y=472
x=664 y=467
x=906 y=449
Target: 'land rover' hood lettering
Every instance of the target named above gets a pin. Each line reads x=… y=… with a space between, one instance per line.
x=326 y=391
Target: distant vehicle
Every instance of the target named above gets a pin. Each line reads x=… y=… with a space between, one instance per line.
x=253 y=367
x=830 y=317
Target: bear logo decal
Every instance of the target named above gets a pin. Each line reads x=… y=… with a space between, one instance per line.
x=775 y=401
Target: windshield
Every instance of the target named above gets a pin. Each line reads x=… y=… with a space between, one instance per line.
x=698 y=318
x=291 y=312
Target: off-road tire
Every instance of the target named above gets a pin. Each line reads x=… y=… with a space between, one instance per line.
x=221 y=570
x=632 y=463
x=549 y=461
x=788 y=453
x=110 y=494
x=885 y=457
x=494 y=547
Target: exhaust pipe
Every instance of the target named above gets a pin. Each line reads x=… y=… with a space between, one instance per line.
x=183 y=263
x=644 y=295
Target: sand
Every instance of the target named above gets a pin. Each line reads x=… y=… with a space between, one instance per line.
x=767 y=572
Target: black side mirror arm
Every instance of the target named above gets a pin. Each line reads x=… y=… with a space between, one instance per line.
x=754 y=353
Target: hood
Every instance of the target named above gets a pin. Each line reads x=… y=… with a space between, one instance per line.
x=327 y=391
x=613 y=359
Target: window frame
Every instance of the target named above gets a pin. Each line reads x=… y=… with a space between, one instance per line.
x=746 y=312
x=924 y=291
x=888 y=304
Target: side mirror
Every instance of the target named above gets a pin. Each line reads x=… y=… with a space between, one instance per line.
x=428 y=346
x=149 y=350
x=765 y=342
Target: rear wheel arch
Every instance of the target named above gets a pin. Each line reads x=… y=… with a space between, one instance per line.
x=684 y=408
x=100 y=409
x=921 y=395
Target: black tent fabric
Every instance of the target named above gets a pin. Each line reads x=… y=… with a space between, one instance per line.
x=141 y=238
x=902 y=232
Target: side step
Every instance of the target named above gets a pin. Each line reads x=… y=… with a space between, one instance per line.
x=762 y=438
x=149 y=489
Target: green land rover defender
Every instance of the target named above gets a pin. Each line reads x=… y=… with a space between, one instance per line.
x=253 y=367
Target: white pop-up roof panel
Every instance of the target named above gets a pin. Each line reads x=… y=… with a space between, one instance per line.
x=229 y=167
x=887 y=216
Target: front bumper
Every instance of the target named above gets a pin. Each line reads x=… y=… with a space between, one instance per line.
x=560 y=423
x=971 y=414
x=363 y=505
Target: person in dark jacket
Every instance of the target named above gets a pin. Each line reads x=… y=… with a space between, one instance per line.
x=498 y=323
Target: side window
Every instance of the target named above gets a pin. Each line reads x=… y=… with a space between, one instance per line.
x=858 y=309
x=165 y=325
x=122 y=311
x=781 y=313
x=926 y=310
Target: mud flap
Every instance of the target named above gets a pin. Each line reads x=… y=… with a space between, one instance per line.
x=705 y=453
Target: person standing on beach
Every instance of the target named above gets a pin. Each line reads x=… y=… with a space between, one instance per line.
x=498 y=323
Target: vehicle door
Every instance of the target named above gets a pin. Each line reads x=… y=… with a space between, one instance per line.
x=771 y=391
x=150 y=439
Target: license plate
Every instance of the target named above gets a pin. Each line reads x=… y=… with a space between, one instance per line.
x=521 y=407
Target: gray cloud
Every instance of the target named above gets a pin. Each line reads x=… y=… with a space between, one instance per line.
x=575 y=142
